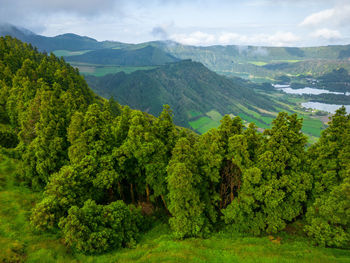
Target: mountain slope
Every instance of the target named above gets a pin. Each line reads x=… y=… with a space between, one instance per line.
x=188 y=87
x=71 y=42
x=146 y=56
x=251 y=61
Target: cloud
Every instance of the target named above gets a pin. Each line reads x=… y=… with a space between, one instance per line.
x=337 y=16
x=232 y=38
x=160 y=33
x=326 y=33
x=282 y=39
x=195 y=38
x=82 y=7
x=260 y=51
x=318 y=18
x=229 y=38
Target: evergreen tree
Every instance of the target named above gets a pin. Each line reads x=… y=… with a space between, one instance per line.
x=274 y=190
x=328 y=214
x=184 y=192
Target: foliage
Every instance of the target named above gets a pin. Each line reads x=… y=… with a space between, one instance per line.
x=329 y=208
x=183 y=183
x=274 y=188
x=98 y=228
x=94 y=158
x=39 y=94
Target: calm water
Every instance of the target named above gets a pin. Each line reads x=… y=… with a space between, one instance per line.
x=323 y=106
x=306 y=90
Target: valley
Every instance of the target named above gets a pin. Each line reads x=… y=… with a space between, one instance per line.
x=258 y=66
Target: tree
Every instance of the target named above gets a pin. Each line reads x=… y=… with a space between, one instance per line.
x=184 y=193
x=328 y=213
x=98 y=228
x=274 y=190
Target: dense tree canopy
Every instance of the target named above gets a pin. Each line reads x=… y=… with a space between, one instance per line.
x=328 y=214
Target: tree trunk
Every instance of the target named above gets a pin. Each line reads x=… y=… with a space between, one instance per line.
x=132 y=193
x=147 y=193
x=166 y=207
x=231 y=194
x=121 y=191
x=111 y=195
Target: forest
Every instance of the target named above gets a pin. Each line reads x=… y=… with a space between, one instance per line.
x=105 y=171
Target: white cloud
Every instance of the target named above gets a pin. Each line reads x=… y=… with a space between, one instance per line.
x=232 y=38
x=283 y=39
x=326 y=33
x=226 y=38
x=317 y=18
x=337 y=16
x=195 y=38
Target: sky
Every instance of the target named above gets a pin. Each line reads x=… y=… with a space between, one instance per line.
x=191 y=22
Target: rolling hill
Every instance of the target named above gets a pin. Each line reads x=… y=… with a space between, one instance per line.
x=146 y=56
x=195 y=93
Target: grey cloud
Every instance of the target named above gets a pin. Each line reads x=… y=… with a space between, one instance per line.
x=260 y=51
x=84 y=7
x=160 y=33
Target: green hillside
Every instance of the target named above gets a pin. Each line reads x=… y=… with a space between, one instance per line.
x=187 y=87
x=146 y=56
x=262 y=62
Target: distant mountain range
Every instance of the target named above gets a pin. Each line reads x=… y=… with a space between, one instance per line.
x=256 y=63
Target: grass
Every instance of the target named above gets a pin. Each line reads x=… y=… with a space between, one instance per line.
x=19 y=244
x=208 y=121
x=200 y=122
x=258 y=63
x=214 y=115
x=312 y=126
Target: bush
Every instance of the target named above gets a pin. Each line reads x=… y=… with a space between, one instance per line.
x=99 y=228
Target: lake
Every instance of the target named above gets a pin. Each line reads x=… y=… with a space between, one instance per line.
x=307 y=90
x=324 y=107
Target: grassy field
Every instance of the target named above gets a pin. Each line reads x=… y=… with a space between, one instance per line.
x=312 y=126
x=206 y=122
x=19 y=244
x=258 y=63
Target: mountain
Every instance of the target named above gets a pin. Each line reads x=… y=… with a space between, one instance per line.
x=188 y=87
x=71 y=42
x=146 y=56
x=256 y=63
